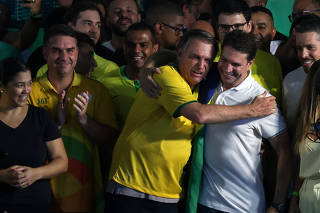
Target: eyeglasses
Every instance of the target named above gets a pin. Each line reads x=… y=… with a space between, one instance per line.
x=177 y=30
x=301 y=13
x=227 y=28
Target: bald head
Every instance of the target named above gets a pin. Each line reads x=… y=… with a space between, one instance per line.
x=203 y=25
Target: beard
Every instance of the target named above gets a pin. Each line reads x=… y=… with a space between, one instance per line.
x=116 y=29
x=263 y=43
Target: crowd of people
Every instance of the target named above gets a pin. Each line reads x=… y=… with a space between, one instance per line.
x=160 y=106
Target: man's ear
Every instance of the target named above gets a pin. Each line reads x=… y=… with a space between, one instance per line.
x=274 y=31
x=158 y=28
x=139 y=17
x=250 y=63
x=155 y=48
x=250 y=26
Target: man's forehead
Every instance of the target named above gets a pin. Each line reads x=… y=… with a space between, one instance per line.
x=226 y=18
x=123 y=4
x=261 y=16
x=60 y=40
x=301 y=5
x=139 y=34
x=228 y=52
x=307 y=37
x=91 y=15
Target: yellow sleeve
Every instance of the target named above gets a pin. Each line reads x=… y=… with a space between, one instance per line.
x=104 y=108
x=42 y=71
x=176 y=92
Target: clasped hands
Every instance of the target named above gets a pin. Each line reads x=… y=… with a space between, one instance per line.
x=20 y=176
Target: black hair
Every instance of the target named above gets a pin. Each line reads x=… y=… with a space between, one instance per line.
x=262 y=9
x=142 y=26
x=4 y=19
x=200 y=35
x=162 y=11
x=232 y=7
x=73 y=13
x=83 y=38
x=242 y=42
x=9 y=68
x=59 y=30
x=307 y=23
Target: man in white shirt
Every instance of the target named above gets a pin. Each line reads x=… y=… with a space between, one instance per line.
x=307 y=32
x=232 y=173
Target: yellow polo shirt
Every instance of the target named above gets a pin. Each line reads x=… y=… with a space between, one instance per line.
x=80 y=189
x=104 y=66
x=266 y=70
x=155 y=143
x=123 y=92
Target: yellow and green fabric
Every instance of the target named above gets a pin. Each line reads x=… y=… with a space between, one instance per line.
x=155 y=143
x=266 y=70
x=123 y=92
x=80 y=189
x=104 y=66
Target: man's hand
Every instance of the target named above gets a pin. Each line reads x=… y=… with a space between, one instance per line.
x=62 y=108
x=34 y=5
x=271 y=210
x=147 y=83
x=262 y=106
x=81 y=105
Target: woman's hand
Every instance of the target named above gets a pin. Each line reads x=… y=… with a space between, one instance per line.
x=19 y=176
x=11 y=175
x=27 y=176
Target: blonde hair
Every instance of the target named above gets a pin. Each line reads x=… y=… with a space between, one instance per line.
x=308 y=111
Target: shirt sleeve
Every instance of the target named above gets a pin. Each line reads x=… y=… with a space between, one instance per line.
x=176 y=92
x=104 y=108
x=271 y=126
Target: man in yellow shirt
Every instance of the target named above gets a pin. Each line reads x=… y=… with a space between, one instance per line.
x=123 y=84
x=85 y=17
x=155 y=143
x=85 y=114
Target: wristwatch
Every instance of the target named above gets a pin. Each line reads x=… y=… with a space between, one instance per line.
x=280 y=207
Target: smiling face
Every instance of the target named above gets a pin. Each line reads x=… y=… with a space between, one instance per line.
x=263 y=29
x=195 y=61
x=121 y=15
x=18 y=89
x=61 y=55
x=88 y=22
x=308 y=48
x=138 y=47
x=233 y=67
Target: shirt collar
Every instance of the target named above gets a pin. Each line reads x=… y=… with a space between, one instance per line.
x=44 y=81
x=244 y=84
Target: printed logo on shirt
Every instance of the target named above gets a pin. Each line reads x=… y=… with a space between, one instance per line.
x=41 y=101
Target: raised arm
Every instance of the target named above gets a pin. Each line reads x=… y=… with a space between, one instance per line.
x=210 y=113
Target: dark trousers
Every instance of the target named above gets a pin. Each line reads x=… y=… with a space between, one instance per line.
x=126 y=204
x=204 y=209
